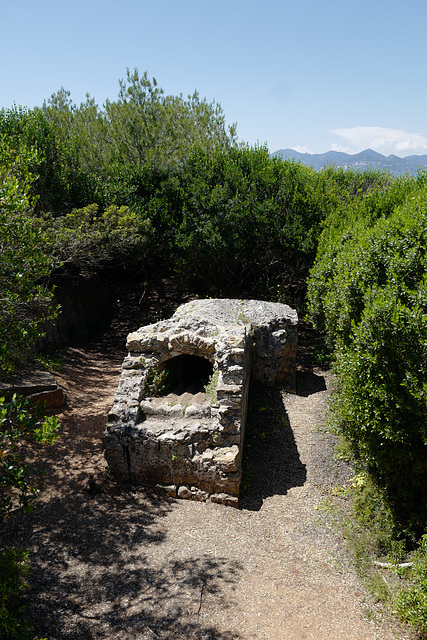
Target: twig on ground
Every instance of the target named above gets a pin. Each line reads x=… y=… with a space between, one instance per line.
x=392 y=565
x=201 y=597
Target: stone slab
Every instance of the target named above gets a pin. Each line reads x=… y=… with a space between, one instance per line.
x=37 y=385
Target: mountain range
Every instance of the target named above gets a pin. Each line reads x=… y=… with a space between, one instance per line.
x=367 y=159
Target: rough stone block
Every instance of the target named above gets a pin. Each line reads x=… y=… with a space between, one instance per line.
x=37 y=385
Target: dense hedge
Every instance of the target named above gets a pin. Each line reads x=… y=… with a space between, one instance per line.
x=238 y=220
x=25 y=265
x=368 y=290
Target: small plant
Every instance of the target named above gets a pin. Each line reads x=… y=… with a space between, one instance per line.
x=373 y=514
x=162 y=380
x=247 y=475
x=211 y=385
x=411 y=603
x=322 y=353
x=242 y=317
x=21 y=423
x=14 y=564
x=216 y=437
x=50 y=361
x=155 y=383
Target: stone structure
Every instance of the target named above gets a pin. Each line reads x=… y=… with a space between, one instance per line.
x=188 y=439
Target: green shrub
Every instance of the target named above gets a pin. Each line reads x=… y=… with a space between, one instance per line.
x=61 y=183
x=21 y=423
x=245 y=221
x=14 y=565
x=412 y=600
x=344 y=264
x=26 y=299
x=372 y=303
x=88 y=239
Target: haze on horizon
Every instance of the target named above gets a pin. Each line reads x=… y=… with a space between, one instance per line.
x=309 y=76
x=385 y=141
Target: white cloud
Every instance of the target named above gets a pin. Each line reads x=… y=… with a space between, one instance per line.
x=302 y=149
x=339 y=147
x=381 y=139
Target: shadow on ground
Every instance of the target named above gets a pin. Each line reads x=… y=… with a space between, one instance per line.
x=271 y=462
x=96 y=573
x=310 y=343
x=309 y=382
x=106 y=566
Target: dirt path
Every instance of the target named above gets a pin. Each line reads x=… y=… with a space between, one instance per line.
x=126 y=564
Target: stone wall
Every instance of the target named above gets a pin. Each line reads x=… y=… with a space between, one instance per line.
x=189 y=441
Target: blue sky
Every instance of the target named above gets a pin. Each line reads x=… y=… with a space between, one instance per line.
x=308 y=74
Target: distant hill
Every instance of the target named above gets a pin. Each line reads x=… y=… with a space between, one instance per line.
x=367 y=159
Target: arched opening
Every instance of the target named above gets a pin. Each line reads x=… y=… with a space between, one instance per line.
x=181 y=374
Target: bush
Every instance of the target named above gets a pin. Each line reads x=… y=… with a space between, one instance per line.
x=26 y=301
x=372 y=302
x=412 y=600
x=333 y=289
x=14 y=564
x=244 y=221
x=60 y=181
x=21 y=423
x=90 y=240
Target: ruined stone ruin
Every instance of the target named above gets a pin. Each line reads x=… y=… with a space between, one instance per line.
x=178 y=418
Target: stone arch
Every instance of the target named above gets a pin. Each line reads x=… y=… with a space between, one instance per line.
x=191 y=344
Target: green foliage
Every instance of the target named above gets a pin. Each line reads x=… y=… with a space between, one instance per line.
x=164 y=379
x=359 y=510
x=101 y=150
x=241 y=220
x=14 y=565
x=371 y=299
x=58 y=179
x=380 y=406
x=88 y=239
x=412 y=600
x=147 y=127
x=332 y=307
x=21 y=423
x=26 y=300
x=372 y=520
x=185 y=196
x=210 y=387
x=158 y=382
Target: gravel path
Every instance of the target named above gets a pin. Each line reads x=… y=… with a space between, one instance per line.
x=126 y=564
